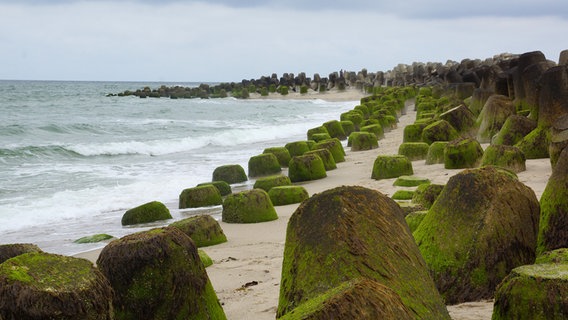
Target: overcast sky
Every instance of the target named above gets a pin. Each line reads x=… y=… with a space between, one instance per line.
x=230 y=40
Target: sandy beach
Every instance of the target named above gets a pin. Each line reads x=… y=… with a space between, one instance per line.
x=247 y=268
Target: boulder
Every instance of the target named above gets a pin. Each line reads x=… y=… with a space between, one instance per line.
x=348 y=233
x=553 y=95
x=263 y=165
x=414 y=150
x=38 y=285
x=493 y=115
x=204 y=230
x=507 y=157
x=249 y=206
x=267 y=183
x=462 y=153
x=335 y=129
x=535 y=144
x=514 y=130
x=201 y=196
x=8 y=251
x=326 y=157
x=230 y=173
x=426 y=194
x=461 y=118
x=440 y=130
x=281 y=153
x=284 y=195
x=553 y=232
x=334 y=146
x=361 y=141
x=533 y=292
x=483 y=224
x=94 y=238
x=391 y=166
x=361 y=298
x=157 y=274
x=297 y=148
x=148 y=212
x=306 y=168
x=436 y=152
x=223 y=187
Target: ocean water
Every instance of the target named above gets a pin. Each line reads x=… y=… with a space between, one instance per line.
x=72 y=160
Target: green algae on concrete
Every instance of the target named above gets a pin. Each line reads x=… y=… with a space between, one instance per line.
x=335 y=129
x=414 y=150
x=263 y=165
x=376 y=129
x=508 y=157
x=554 y=256
x=350 y=232
x=306 y=167
x=205 y=259
x=362 y=299
x=360 y=141
x=230 y=173
x=38 y=285
x=403 y=195
x=94 y=238
x=200 y=196
x=267 y=183
x=414 y=219
x=391 y=166
x=334 y=146
x=148 y=212
x=284 y=195
x=249 y=206
x=462 y=153
x=297 y=148
x=440 y=130
x=483 y=224
x=281 y=153
x=204 y=230
x=514 y=130
x=348 y=126
x=426 y=194
x=157 y=274
x=223 y=187
x=316 y=130
x=435 y=153
x=410 y=181
x=326 y=157
x=413 y=132
x=535 y=144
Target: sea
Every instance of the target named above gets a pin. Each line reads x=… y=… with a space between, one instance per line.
x=73 y=160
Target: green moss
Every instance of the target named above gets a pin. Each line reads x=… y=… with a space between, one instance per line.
x=535 y=144
x=440 y=130
x=462 y=153
x=316 y=130
x=391 y=166
x=204 y=230
x=554 y=256
x=320 y=137
x=426 y=194
x=284 y=195
x=410 y=181
x=231 y=173
x=334 y=146
x=376 y=129
x=355 y=117
x=205 y=259
x=335 y=129
x=514 y=130
x=94 y=238
x=148 y=212
x=361 y=141
x=414 y=219
x=306 y=168
x=250 y=206
x=436 y=152
x=267 y=183
x=414 y=150
x=201 y=196
x=297 y=148
x=223 y=187
x=413 y=132
x=263 y=164
x=403 y=195
x=8 y=251
x=508 y=157
x=281 y=153
x=348 y=126
x=326 y=157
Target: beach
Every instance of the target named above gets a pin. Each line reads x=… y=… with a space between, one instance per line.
x=247 y=269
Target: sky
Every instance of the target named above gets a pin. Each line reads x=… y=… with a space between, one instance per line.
x=231 y=40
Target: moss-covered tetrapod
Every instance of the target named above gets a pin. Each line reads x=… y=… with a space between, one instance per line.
x=414 y=150
x=350 y=232
x=508 y=157
x=326 y=157
x=201 y=196
x=267 y=183
x=230 y=173
x=249 y=206
x=482 y=225
x=204 y=230
x=391 y=166
x=334 y=146
x=148 y=212
x=38 y=285
x=223 y=187
x=305 y=168
x=440 y=130
x=284 y=195
x=157 y=274
x=281 y=153
x=263 y=165
x=361 y=141
x=462 y=153
x=436 y=152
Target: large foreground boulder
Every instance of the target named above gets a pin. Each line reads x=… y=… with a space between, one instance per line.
x=482 y=225
x=204 y=230
x=157 y=274
x=40 y=285
x=553 y=232
x=249 y=206
x=148 y=212
x=351 y=232
x=360 y=299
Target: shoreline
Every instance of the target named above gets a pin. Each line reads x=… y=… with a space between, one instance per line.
x=254 y=252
